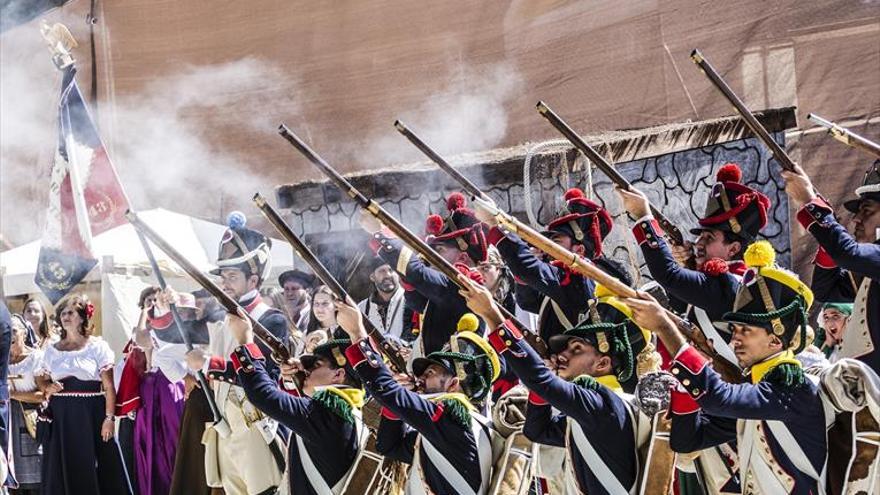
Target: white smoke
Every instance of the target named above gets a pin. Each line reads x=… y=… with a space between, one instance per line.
x=468 y=114
x=164 y=144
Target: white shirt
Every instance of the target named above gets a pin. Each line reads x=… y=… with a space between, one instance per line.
x=26 y=369
x=85 y=364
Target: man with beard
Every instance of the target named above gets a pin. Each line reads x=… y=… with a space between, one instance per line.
x=296 y=285
x=847 y=265
x=459 y=238
x=385 y=307
x=250 y=459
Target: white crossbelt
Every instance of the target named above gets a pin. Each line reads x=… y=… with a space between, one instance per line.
x=480 y=429
x=319 y=484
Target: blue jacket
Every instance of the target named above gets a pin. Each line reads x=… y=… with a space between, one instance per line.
x=601 y=413
x=841 y=261
x=436 y=296
x=408 y=415
x=331 y=441
x=714 y=294
x=798 y=407
x=570 y=291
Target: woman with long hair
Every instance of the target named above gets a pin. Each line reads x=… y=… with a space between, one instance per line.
x=77 y=427
x=42 y=330
x=323 y=315
x=25 y=399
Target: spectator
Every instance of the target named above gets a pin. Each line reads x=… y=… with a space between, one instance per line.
x=76 y=376
x=42 y=330
x=296 y=285
x=27 y=454
x=323 y=316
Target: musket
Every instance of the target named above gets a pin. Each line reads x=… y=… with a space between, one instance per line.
x=846 y=136
x=407 y=236
x=751 y=122
x=573 y=261
x=672 y=231
x=386 y=347
x=220 y=424
x=280 y=353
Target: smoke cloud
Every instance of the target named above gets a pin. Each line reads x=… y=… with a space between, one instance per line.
x=163 y=144
x=469 y=114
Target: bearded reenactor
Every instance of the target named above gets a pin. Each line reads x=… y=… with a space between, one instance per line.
x=597 y=420
x=844 y=259
x=442 y=434
x=326 y=421
x=460 y=239
x=385 y=307
x=580 y=227
x=780 y=419
x=250 y=459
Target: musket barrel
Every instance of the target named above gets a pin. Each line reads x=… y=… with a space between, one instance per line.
x=846 y=136
x=407 y=236
x=751 y=122
x=672 y=231
x=466 y=183
x=321 y=271
x=280 y=352
x=178 y=321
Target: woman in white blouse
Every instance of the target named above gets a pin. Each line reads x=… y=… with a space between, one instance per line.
x=25 y=400
x=76 y=430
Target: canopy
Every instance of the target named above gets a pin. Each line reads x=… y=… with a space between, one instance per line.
x=196 y=239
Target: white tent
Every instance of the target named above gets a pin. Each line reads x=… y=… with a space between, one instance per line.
x=129 y=272
x=196 y=239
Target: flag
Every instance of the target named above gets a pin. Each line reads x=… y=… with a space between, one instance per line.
x=85 y=197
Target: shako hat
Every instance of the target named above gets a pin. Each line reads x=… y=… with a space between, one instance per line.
x=773 y=298
x=733 y=206
x=467 y=356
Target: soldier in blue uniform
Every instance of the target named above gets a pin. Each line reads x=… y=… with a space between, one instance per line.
x=781 y=423
x=735 y=213
x=847 y=266
x=328 y=432
x=442 y=434
x=460 y=239
x=581 y=227
x=251 y=458
x=598 y=422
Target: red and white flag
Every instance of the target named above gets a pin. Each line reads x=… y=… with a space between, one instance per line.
x=85 y=197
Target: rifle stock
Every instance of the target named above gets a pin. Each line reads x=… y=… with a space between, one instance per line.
x=404 y=234
x=846 y=136
x=389 y=349
x=280 y=353
x=219 y=423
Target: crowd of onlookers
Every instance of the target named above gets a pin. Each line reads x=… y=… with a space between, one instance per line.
x=76 y=405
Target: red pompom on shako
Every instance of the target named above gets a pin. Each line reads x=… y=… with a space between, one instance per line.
x=573 y=193
x=455 y=201
x=434 y=225
x=729 y=172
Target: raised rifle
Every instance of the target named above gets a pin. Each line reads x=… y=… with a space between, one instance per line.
x=672 y=231
x=751 y=122
x=573 y=261
x=386 y=347
x=220 y=424
x=846 y=136
x=280 y=353
x=407 y=236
